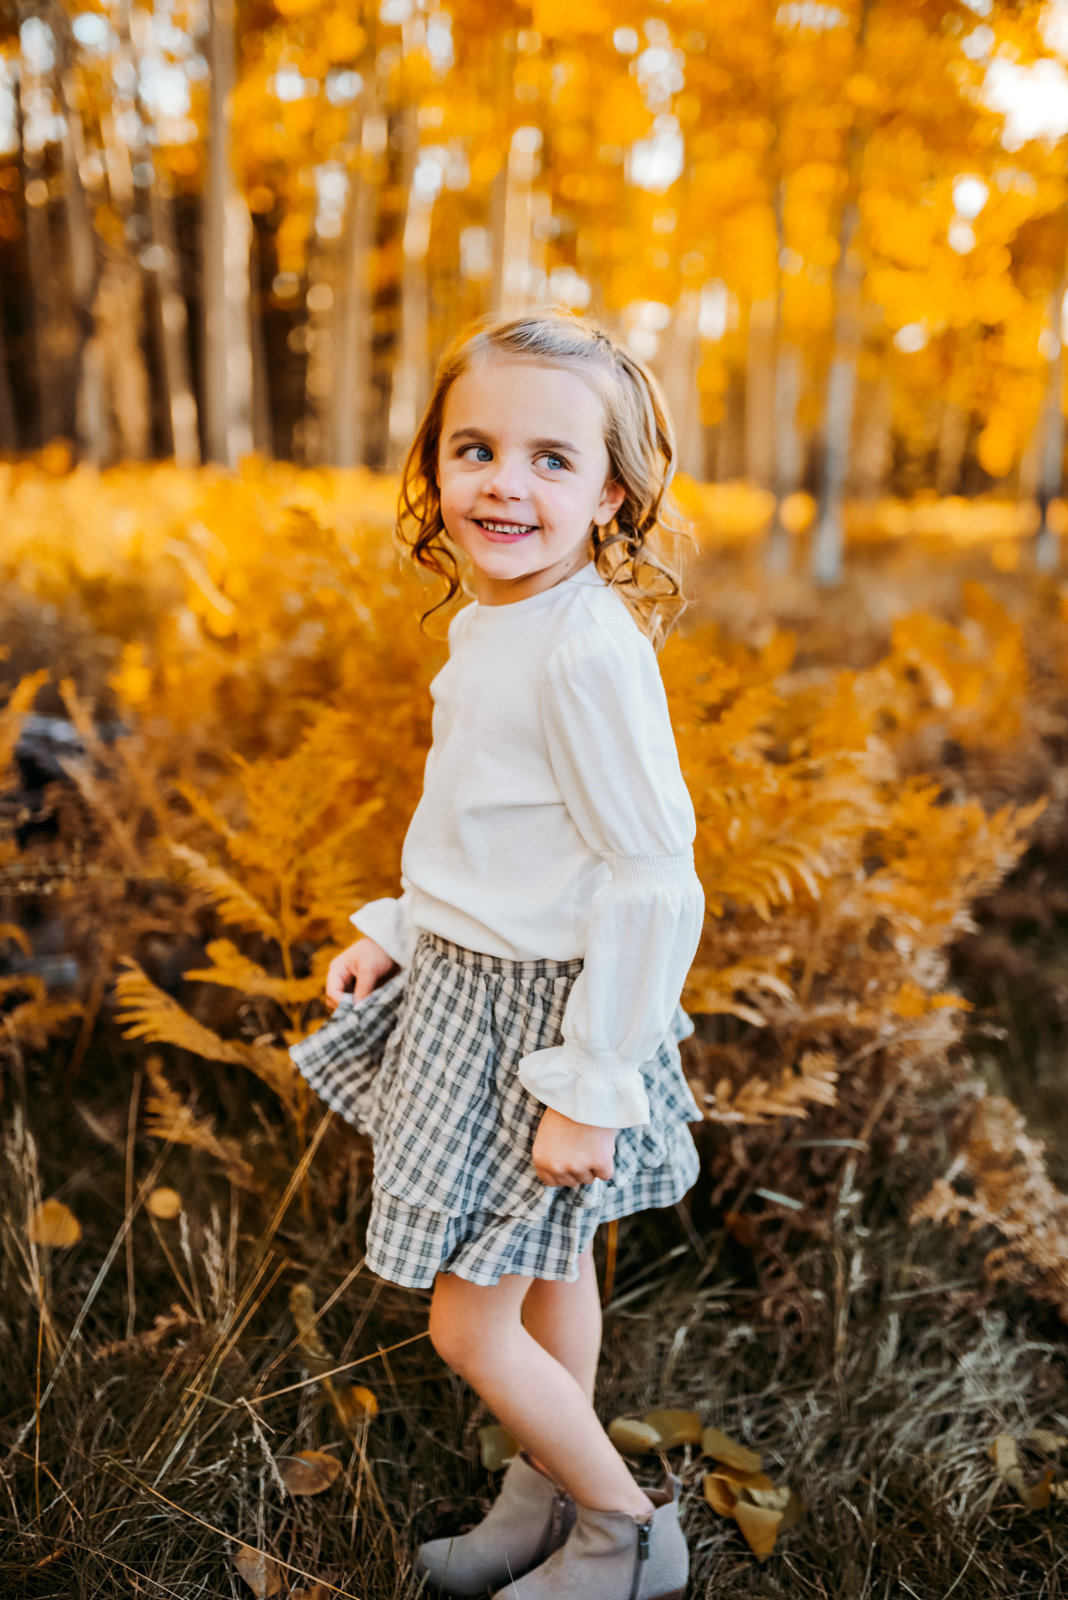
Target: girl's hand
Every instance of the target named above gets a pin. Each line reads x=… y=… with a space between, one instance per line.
x=357 y=970
x=568 y=1153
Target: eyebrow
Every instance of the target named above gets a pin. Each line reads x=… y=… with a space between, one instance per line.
x=535 y=444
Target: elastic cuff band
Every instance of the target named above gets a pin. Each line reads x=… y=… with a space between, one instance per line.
x=597 y=1069
x=656 y=871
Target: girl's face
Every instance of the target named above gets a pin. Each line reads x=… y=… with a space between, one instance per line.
x=523 y=472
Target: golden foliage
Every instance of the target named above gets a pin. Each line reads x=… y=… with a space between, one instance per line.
x=148 y=1013
x=272 y=681
x=998 y=1180
x=167 y=1116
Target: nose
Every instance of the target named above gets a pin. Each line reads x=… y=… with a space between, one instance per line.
x=507 y=480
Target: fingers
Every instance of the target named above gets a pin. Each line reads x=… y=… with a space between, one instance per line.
x=571 y=1177
x=338 y=977
x=365 y=982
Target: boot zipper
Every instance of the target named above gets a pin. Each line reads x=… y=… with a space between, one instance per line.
x=552 y=1528
x=643 y=1555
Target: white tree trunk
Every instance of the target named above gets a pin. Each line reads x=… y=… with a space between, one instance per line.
x=227 y=240
x=829 y=542
x=680 y=385
x=789 y=451
x=873 y=438
x=760 y=394
x=352 y=302
x=411 y=372
x=952 y=437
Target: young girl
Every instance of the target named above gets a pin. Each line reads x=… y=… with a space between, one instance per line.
x=528 y=977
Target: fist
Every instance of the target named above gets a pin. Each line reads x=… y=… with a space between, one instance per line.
x=357 y=970
x=568 y=1153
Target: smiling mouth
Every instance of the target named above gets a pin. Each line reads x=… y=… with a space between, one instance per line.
x=516 y=529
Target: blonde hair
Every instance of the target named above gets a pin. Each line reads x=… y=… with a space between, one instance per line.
x=629 y=551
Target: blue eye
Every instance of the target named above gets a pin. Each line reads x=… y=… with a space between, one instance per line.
x=555 y=462
x=483 y=452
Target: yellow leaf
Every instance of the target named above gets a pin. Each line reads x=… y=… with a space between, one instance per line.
x=259 y=1570
x=674 y=1427
x=632 y=1438
x=164 y=1203
x=729 y=1452
x=53 y=1224
x=498 y=1447
x=354 y=1405
x=759 y=1528
x=11 y=930
x=309 y=1472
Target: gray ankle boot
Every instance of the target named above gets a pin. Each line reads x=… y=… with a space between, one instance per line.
x=528 y=1521
x=613 y=1556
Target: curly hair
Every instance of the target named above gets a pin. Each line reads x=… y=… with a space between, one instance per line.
x=630 y=552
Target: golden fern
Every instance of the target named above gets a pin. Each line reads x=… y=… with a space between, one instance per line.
x=14 y=714
x=232 y=970
x=146 y=1012
x=167 y=1116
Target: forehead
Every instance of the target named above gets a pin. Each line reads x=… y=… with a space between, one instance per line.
x=518 y=398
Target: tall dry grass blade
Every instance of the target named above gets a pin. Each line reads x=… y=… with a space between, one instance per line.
x=94 y=1290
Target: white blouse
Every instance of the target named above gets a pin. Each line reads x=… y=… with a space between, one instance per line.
x=555 y=823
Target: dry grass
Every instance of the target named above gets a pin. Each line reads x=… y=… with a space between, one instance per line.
x=153 y=1459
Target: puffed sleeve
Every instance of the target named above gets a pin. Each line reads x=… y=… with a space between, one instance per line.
x=613 y=755
x=389 y=923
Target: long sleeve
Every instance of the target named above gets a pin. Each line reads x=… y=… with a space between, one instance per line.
x=389 y=923
x=614 y=758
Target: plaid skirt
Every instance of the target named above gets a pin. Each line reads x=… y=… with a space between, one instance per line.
x=427 y=1066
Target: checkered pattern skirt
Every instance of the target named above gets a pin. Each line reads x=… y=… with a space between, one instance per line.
x=427 y=1066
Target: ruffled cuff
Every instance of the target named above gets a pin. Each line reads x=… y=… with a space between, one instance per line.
x=599 y=1091
x=387 y=922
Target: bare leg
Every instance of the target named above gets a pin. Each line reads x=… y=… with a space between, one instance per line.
x=479 y=1333
x=565 y=1319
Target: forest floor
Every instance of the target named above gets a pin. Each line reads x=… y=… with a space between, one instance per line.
x=878 y=1404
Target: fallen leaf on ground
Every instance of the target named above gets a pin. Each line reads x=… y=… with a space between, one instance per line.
x=726 y=1450
x=741 y=1228
x=55 y=1224
x=1045 y=1440
x=318 y=1591
x=674 y=1427
x=354 y=1406
x=760 y=1508
x=308 y=1472
x=1006 y=1456
x=498 y=1447
x=259 y=1570
x=166 y=1204
x=633 y=1438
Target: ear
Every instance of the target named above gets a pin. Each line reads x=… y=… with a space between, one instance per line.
x=612 y=497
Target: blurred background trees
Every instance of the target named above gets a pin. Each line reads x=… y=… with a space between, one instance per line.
x=838 y=232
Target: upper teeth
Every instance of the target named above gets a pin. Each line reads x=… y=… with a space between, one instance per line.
x=508 y=527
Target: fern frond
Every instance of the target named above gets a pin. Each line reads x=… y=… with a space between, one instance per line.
x=167 y=1116
x=759 y=1101
x=234 y=902
x=33 y=1023
x=147 y=1013
x=232 y=970
x=15 y=712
